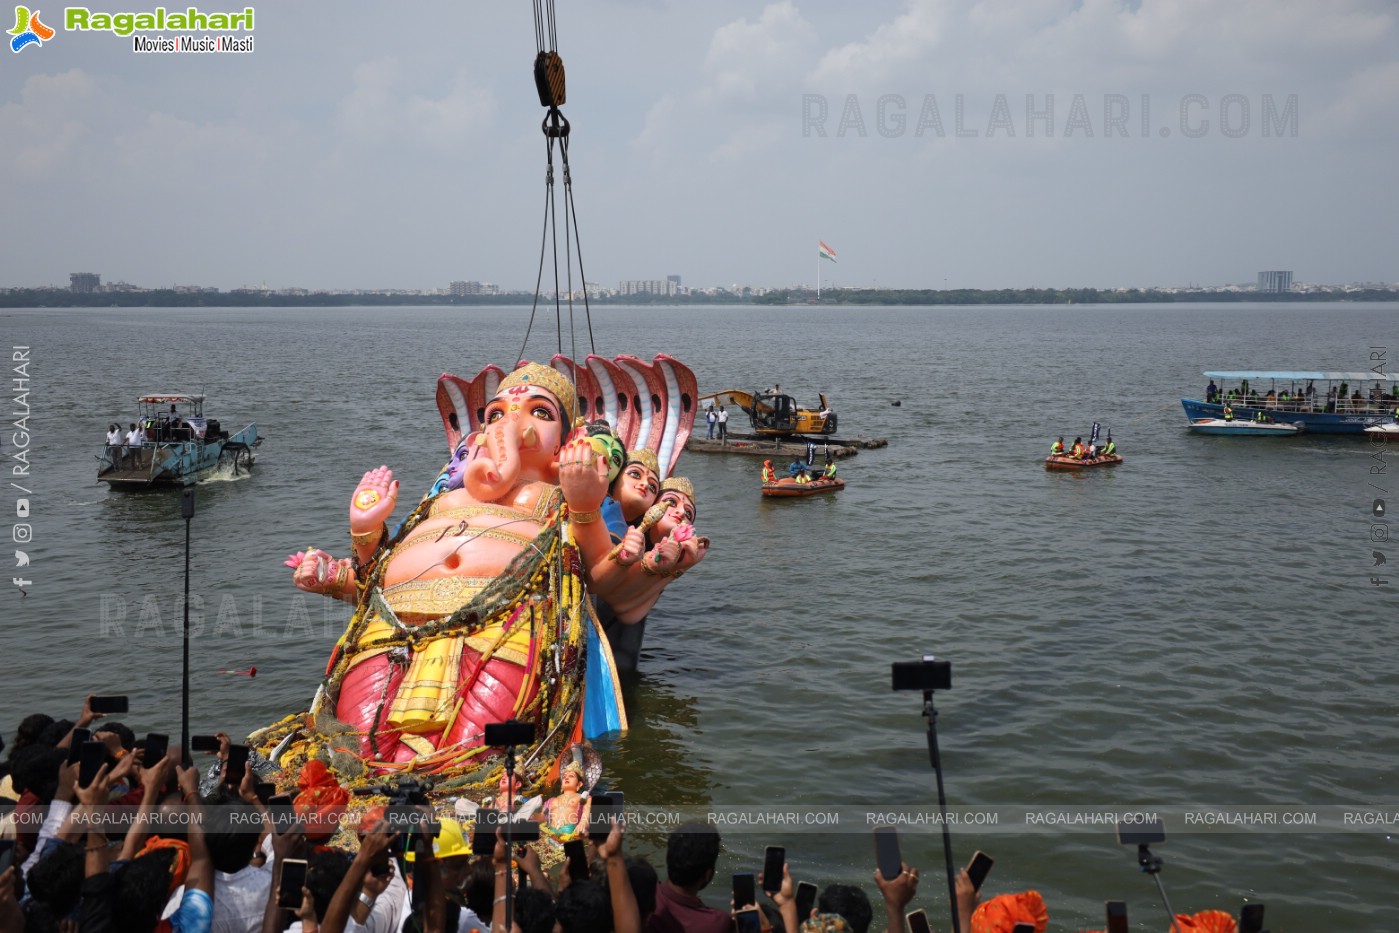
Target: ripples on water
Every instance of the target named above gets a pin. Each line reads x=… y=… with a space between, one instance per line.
x=1195 y=626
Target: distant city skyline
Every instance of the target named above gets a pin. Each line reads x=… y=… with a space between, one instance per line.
x=83 y=282
x=930 y=143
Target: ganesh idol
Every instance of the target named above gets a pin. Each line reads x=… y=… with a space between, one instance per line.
x=474 y=609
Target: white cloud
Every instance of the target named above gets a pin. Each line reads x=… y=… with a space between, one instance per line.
x=382 y=108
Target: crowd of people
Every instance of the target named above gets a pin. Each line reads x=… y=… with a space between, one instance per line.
x=127 y=450
x=1338 y=399
x=718 y=420
x=1082 y=451
x=138 y=846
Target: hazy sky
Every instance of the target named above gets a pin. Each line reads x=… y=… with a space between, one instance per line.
x=371 y=146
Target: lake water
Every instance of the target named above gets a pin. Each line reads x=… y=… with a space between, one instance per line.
x=1196 y=628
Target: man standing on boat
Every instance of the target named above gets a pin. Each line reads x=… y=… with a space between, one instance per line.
x=723 y=418
x=1211 y=391
x=133 y=447
x=712 y=419
x=139 y=455
x=114 y=445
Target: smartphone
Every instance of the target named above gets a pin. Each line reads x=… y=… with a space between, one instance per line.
x=90 y=760
x=264 y=790
x=75 y=744
x=978 y=868
x=1141 y=834
x=237 y=766
x=918 y=922
x=576 y=850
x=156 y=748
x=886 y=852
x=293 y=880
x=521 y=831
x=745 y=890
x=1117 y=917
x=748 y=921
x=108 y=705
x=602 y=808
x=7 y=854
x=203 y=743
x=773 y=859
x=483 y=835
x=619 y=803
x=806 y=899
x=1251 y=919
x=282 y=814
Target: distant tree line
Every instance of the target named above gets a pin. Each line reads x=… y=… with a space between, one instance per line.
x=1050 y=296
x=169 y=298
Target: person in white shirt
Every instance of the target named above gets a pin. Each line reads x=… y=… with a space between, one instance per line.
x=140 y=444
x=133 y=446
x=114 y=444
x=240 y=888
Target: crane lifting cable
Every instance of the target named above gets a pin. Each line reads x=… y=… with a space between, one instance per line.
x=549 y=82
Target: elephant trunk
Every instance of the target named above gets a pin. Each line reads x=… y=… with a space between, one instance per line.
x=492 y=476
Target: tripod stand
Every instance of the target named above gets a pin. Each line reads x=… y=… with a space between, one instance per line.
x=928 y=675
x=1151 y=864
x=508 y=735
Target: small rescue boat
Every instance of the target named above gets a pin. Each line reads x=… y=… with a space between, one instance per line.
x=1389 y=428
x=1065 y=462
x=790 y=487
x=1246 y=428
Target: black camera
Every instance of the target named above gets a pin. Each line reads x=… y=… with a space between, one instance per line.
x=927 y=674
x=1147 y=833
x=510 y=732
x=406 y=792
x=401 y=812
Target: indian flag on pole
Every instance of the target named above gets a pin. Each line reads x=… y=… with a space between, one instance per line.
x=825 y=252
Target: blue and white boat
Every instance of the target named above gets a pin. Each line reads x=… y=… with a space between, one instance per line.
x=1321 y=402
x=181 y=446
x=1236 y=428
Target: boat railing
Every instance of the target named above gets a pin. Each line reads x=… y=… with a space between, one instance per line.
x=1312 y=405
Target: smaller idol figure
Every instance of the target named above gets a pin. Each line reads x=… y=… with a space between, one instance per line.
x=521 y=806
x=566 y=815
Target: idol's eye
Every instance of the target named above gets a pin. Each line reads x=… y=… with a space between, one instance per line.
x=494 y=415
x=542 y=412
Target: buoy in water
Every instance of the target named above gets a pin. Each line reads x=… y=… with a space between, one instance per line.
x=896 y=403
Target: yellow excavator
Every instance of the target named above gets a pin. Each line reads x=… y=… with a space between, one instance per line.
x=774 y=414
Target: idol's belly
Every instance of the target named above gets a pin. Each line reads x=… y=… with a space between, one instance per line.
x=482 y=547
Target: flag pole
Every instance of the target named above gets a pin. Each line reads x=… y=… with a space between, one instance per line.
x=818 y=273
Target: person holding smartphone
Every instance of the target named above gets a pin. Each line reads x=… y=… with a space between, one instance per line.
x=692 y=853
x=897 y=893
x=968 y=897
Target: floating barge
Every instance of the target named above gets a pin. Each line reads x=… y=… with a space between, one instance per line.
x=793 y=447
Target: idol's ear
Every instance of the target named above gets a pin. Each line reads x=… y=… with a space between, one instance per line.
x=681 y=390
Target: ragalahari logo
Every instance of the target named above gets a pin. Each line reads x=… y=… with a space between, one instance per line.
x=28 y=30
